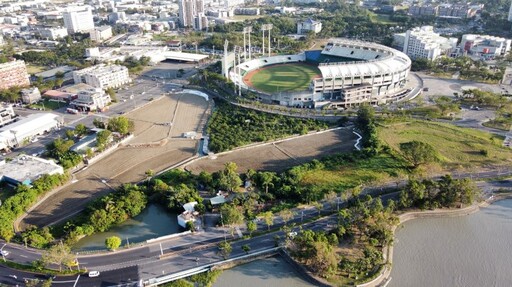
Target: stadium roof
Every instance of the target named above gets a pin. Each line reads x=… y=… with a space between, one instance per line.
x=187 y=57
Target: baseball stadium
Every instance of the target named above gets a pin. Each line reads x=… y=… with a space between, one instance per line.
x=345 y=73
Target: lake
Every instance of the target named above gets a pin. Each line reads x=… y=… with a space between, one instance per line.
x=473 y=250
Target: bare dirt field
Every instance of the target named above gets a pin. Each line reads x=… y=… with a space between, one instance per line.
x=129 y=163
x=282 y=155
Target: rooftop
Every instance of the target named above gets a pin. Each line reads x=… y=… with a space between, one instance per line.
x=25 y=169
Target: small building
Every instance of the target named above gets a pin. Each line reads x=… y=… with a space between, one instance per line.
x=100 y=34
x=174 y=45
x=7 y=114
x=220 y=198
x=59 y=96
x=91 y=100
x=30 y=95
x=188 y=215
x=305 y=27
x=25 y=169
x=85 y=143
x=53 y=33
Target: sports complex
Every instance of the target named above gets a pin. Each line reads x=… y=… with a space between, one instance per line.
x=345 y=73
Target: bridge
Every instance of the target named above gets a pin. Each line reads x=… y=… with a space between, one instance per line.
x=206 y=267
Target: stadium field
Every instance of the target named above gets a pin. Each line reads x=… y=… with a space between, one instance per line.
x=282 y=77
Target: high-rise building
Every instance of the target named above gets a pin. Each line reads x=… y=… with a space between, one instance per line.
x=78 y=21
x=200 y=22
x=423 y=42
x=188 y=10
x=13 y=74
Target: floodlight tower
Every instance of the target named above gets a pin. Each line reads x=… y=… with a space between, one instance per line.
x=247 y=30
x=265 y=27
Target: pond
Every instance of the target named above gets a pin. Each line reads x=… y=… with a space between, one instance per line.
x=152 y=222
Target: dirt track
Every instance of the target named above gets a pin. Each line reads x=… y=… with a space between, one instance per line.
x=129 y=163
x=282 y=155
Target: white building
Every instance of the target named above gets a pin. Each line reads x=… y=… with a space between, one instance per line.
x=53 y=33
x=7 y=114
x=78 y=21
x=30 y=95
x=25 y=129
x=188 y=215
x=304 y=27
x=99 y=34
x=188 y=10
x=91 y=100
x=485 y=45
x=103 y=76
x=1 y=40
x=26 y=169
x=423 y=42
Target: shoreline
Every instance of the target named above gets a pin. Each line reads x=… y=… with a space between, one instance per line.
x=384 y=277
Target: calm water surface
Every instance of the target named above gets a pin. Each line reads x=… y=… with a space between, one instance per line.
x=473 y=250
x=152 y=222
x=268 y=272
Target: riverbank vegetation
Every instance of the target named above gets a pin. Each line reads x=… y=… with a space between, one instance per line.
x=352 y=251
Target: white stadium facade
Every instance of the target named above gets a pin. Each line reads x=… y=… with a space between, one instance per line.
x=352 y=73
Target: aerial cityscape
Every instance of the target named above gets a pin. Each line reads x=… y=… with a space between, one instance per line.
x=255 y=143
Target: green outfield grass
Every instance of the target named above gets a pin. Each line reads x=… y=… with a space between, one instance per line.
x=281 y=78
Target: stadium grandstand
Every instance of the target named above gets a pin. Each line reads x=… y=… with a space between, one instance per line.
x=349 y=73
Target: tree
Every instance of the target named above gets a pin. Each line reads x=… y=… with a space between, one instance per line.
x=246 y=248
x=229 y=178
x=418 y=153
x=112 y=93
x=102 y=138
x=251 y=227
x=225 y=249
x=190 y=225
x=112 y=243
x=286 y=215
x=58 y=254
x=268 y=217
x=121 y=125
x=266 y=179
x=80 y=130
x=231 y=214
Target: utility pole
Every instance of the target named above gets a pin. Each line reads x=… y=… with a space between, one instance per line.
x=161 y=250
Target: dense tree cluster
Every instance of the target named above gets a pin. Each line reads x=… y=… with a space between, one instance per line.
x=69 y=52
x=25 y=196
x=430 y=194
x=231 y=126
x=60 y=150
x=107 y=211
x=133 y=64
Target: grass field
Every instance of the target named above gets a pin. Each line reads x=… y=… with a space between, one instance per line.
x=456 y=147
x=281 y=78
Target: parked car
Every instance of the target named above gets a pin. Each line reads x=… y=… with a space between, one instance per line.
x=4 y=252
x=94 y=273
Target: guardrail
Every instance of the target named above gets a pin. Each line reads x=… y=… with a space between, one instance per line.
x=204 y=268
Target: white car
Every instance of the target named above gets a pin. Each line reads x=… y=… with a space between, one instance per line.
x=94 y=273
x=292 y=234
x=4 y=252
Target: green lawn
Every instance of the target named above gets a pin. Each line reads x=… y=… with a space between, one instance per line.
x=456 y=147
x=281 y=78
